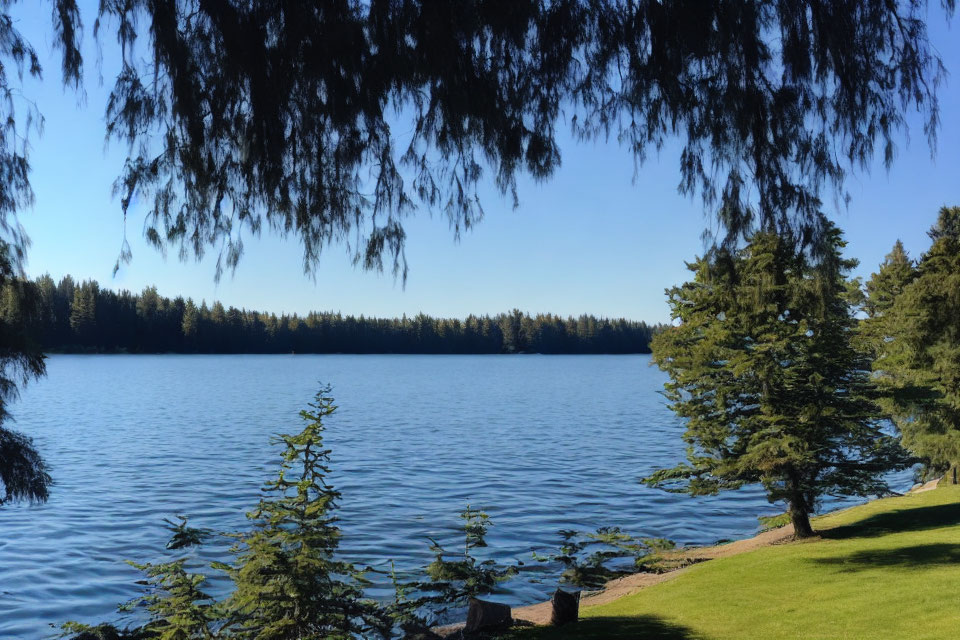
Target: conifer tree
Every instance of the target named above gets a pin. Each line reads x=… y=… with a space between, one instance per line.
x=763 y=367
x=23 y=473
x=178 y=607
x=83 y=311
x=288 y=583
x=919 y=359
x=881 y=291
x=884 y=286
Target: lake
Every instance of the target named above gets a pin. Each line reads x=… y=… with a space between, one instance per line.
x=541 y=443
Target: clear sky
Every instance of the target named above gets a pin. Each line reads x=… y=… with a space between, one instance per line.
x=590 y=240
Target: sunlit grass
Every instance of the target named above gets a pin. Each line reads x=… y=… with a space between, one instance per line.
x=887 y=569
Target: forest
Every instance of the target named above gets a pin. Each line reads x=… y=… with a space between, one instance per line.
x=82 y=317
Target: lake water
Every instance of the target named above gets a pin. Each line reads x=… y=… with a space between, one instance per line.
x=541 y=442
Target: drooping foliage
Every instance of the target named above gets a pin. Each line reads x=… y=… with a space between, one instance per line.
x=918 y=349
x=23 y=473
x=763 y=367
x=334 y=120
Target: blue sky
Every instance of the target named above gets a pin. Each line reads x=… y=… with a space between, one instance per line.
x=590 y=240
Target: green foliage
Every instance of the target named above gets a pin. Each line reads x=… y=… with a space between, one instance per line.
x=769 y=523
x=461 y=576
x=592 y=559
x=23 y=473
x=453 y=578
x=287 y=581
x=79 y=631
x=918 y=347
x=764 y=369
x=178 y=607
x=72 y=316
x=184 y=536
x=408 y=612
x=232 y=132
x=886 y=285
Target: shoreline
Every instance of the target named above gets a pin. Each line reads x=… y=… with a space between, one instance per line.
x=539 y=614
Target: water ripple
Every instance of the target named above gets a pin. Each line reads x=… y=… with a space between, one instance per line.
x=542 y=443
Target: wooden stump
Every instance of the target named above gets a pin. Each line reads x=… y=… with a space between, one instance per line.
x=483 y=616
x=566 y=607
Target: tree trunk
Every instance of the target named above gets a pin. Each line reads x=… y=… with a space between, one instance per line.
x=801 y=522
x=797 y=506
x=953 y=474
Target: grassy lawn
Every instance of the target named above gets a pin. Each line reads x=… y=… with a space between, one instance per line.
x=888 y=569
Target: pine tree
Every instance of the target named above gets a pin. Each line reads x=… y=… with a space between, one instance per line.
x=288 y=583
x=178 y=607
x=23 y=473
x=884 y=286
x=919 y=360
x=881 y=291
x=191 y=318
x=83 y=311
x=763 y=367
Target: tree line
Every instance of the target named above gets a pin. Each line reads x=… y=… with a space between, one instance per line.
x=71 y=316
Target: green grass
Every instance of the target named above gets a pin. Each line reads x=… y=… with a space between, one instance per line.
x=888 y=569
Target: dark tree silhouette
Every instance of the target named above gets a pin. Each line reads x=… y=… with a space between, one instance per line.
x=282 y=114
x=23 y=474
x=83 y=317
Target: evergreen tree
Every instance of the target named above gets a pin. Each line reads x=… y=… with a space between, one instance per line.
x=919 y=358
x=23 y=473
x=83 y=312
x=763 y=367
x=896 y=271
x=191 y=318
x=881 y=291
x=288 y=583
x=178 y=607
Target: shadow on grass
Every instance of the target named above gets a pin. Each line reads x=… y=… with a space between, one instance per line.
x=915 y=519
x=921 y=556
x=614 y=628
